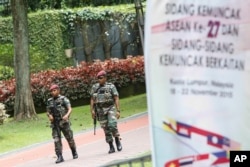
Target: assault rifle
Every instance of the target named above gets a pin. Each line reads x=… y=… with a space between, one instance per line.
x=95 y=118
x=57 y=118
x=95 y=108
x=94 y=125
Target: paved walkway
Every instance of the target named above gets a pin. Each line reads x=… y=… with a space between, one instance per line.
x=92 y=149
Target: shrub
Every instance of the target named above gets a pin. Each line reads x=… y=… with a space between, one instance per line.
x=3 y=114
x=75 y=82
x=6 y=72
x=6 y=55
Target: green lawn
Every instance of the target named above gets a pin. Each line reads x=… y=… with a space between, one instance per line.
x=15 y=135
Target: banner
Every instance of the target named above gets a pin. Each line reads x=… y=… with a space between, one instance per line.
x=197 y=77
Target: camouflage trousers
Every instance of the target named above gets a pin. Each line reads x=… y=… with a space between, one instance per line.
x=63 y=127
x=108 y=122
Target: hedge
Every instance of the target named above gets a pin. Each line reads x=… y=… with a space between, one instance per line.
x=75 y=82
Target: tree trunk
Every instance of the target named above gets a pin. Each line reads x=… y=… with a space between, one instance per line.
x=105 y=26
x=24 y=105
x=88 y=42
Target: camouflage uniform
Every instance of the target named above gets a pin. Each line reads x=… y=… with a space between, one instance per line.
x=105 y=108
x=58 y=108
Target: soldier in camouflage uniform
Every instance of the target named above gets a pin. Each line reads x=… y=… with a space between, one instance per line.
x=58 y=111
x=104 y=104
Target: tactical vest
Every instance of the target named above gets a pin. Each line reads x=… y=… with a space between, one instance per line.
x=103 y=94
x=58 y=107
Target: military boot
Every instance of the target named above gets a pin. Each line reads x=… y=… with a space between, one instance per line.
x=118 y=143
x=59 y=158
x=111 y=148
x=74 y=153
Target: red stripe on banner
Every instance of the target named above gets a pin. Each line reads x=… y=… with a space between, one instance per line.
x=202 y=157
x=159 y=28
x=174 y=163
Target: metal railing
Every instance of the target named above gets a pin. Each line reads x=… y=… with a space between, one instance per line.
x=143 y=161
